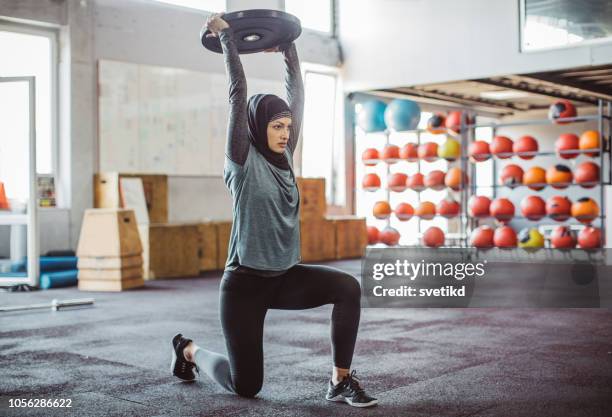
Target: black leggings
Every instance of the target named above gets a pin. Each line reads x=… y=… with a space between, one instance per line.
x=245 y=300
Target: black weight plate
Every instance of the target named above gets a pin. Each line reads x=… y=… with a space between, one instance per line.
x=271 y=27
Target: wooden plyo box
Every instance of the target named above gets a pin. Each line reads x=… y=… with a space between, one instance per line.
x=106 y=193
x=351 y=236
x=224 y=230
x=318 y=240
x=109 y=233
x=312 y=198
x=208 y=249
x=173 y=250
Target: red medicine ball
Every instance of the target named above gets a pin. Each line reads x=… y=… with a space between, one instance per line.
x=501 y=146
x=502 y=209
x=533 y=207
x=562 y=237
x=479 y=206
x=482 y=237
x=505 y=237
x=525 y=144
x=561 y=109
x=433 y=237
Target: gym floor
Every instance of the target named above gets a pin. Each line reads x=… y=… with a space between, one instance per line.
x=114 y=359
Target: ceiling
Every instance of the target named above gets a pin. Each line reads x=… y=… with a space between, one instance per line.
x=506 y=95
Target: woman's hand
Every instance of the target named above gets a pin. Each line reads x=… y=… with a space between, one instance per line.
x=215 y=24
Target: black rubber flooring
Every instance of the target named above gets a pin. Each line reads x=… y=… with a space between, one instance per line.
x=113 y=359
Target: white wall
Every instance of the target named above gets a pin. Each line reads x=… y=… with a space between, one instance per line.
x=391 y=43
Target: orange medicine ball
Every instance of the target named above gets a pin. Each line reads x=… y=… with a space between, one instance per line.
x=390 y=154
x=587 y=174
x=389 y=236
x=397 y=181
x=501 y=146
x=505 y=237
x=435 y=180
x=533 y=207
x=370 y=157
x=585 y=210
x=511 y=176
x=428 y=151
x=482 y=237
x=371 y=182
x=535 y=178
x=562 y=237
x=404 y=211
x=559 y=176
x=525 y=146
x=589 y=238
x=559 y=208
x=502 y=209
x=416 y=182
x=372 y=235
x=589 y=140
x=433 y=237
x=456 y=179
x=409 y=153
x=426 y=210
x=381 y=210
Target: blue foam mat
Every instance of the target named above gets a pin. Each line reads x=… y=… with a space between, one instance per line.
x=48 y=263
x=58 y=279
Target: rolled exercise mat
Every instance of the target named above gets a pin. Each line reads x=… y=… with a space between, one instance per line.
x=49 y=263
x=58 y=279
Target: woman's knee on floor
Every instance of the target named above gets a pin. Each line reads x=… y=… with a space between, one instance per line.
x=248 y=388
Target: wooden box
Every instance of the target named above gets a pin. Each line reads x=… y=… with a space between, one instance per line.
x=106 y=193
x=223 y=236
x=110 y=285
x=208 y=246
x=351 y=236
x=312 y=198
x=121 y=274
x=173 y=251
x=109 y=233
x=129 y=261
x=318 y=240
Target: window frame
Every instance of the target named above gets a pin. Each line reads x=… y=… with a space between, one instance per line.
x=332 y=33
x=180 y=6
x=53 y=35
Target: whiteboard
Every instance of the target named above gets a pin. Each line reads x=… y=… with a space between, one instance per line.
x=165 y=120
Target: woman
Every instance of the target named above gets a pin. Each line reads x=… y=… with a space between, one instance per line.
x=263 y=270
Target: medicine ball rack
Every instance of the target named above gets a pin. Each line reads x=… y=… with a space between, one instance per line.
x=467 y=136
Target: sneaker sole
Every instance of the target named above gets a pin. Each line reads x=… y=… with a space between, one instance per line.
x=343 y=399
x=173 y=368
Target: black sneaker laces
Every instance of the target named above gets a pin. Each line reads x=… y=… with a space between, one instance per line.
x=353 y=384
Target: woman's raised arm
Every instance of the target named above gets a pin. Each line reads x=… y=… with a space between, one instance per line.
x=295 y=93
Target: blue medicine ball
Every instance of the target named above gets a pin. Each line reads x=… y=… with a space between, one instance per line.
x=371 y=117
x=402 y=115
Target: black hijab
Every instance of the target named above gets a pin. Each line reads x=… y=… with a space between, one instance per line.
x=264 y=108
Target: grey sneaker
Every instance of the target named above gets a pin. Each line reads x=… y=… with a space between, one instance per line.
x=350 y=392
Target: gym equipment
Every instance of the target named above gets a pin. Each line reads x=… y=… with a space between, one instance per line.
x=390 y=154
x=562 y=237
x=4 y=204
x=565 y=143
x=48 y=263
x=589 y=140
x=373 y=233
x=533 y=207
x=561 y=109
x=501 y=146
x=587 y=174
x=371 y=117
x=404 y=211
x=511 y=176
x=585 y=210
x=409 y=152
x=453 y=121
x=478 y=206
x=371 y=182
x=370 y=157
x=525 y=144
x=402 y=115
x=505 y=237
x=530 y=238
x=502 y=209
x=535 y=178
x=479 y=151
x=482 y=237
x=437 y=124
x=381 y=210
x=435 y=180
x=397 y=181
x=448 y=208
x=416 y=182
x=559 y=176
x=433 y=237
x=449 y=150
x=426 y=210
x=589 y=238
x=456 y=179
x=389 y=236
x=559 y=208
x=57 y=279
x=256 y=30
x=55 y=305
x=428 y=151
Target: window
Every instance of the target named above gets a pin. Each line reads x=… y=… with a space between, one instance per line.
x=321 y=156
x=314 y=14
x=33 y=52
x=206 y=5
